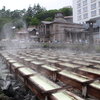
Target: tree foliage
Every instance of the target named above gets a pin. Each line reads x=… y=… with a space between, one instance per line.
x=34 y=21
x=66 y=11
x=49 y=19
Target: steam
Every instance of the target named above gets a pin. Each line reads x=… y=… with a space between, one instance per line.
x=7 y=31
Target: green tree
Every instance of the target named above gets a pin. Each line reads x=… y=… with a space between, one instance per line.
x=45 y=14
x=49 y=19
x=18 y=24
x=27 y=20
x=29 y=12
x=66 y=11
x=16 y=14
x=34 y=21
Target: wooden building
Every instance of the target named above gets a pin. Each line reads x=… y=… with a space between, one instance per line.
x=33 y=35
x=61 y=30
x=22 y=34
x=29 y=34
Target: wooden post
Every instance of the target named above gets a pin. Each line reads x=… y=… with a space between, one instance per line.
x=91 y=41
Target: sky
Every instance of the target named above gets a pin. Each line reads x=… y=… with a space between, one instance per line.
x=24 y=4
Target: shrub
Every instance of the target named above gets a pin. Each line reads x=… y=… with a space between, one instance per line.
x=45 y=45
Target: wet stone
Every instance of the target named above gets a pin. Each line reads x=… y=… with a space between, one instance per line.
x=10 y=88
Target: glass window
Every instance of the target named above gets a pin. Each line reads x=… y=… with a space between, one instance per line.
x=78 y=5
x=85 y=15
x=78 y=0
x=93 y=13
x=85 y=9
x=93 y=0
x=93 y=6
x=99 y=3
x=79 y=17
x=85 y=2
x=79 y=11
x=99 y=11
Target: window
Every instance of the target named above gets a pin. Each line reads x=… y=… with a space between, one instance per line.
x=79 y=11
x=79 y=17
x=78 y=0
x=93 y=6
x=99 y=11
x=85 y=2
x=84 y=9
x=96 y=29
x=99 y=3
x=93 y=0
x=93 y=13
x=85 y=15
x=78 y=5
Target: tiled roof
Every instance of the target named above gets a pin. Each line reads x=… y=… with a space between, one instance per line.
x=68 y=16
x=61 y=20
x=22 y=31
x=46 y=22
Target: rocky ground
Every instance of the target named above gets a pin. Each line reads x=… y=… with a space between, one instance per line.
x=11 y=89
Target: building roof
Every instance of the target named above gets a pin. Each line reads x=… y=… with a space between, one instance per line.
x=68 y=16
x=46 y=22
x=60 y=20
x=31 y=28
x=22 y=31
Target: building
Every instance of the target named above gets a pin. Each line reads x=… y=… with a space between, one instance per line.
x=22 y=34
x=29 y=34
x=84 y=10
x=61 y=30
x=68 y=18
x=96 y=29
x=33 y=35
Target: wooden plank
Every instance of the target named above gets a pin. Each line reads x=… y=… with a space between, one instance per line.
x=89 y=72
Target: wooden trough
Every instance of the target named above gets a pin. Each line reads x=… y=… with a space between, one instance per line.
x=15 y=66
x=51 y=58
x=41 y=59
x=85 y=84
x=6 y=60
x=10 y=61
x=36 y=65
x=64 y=95
x=67 y=65
x=64 y=60
x=82 y=63
x=51 y=61
x=89 y=72
x=24 y=72
x=73 y=79
x=21 y=59
x=27 y=61
x=49 y=70
x=94 y=88
x=94 y=62
x=3 y=55
x=44 y=88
